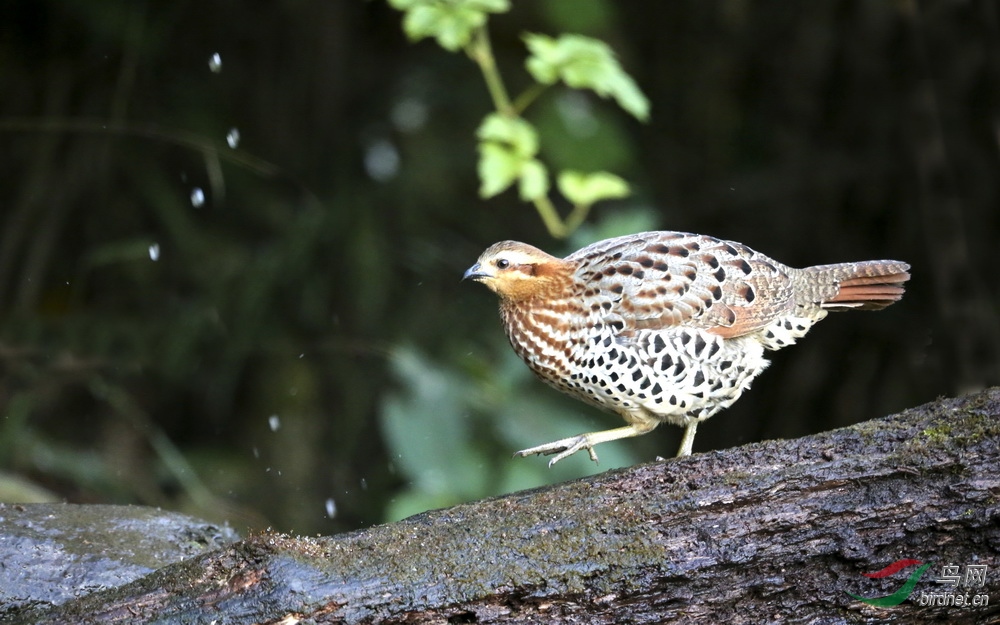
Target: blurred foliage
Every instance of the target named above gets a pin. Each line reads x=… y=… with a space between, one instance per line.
x=453 y=429
x=453 y=23
x=231 y=240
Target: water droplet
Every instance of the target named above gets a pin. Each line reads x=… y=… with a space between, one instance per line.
x=382 y=160
x=331 y=508
x=256 y=453
x=154 y=253
x=233 y=137
x=274 y=422
x=364 y=484
x=197 y=197
x=293 y=391
x=215 y=63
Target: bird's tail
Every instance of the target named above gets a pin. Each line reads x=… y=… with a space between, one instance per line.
x=868 y=285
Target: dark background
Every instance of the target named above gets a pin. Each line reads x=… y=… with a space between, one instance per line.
x=298 y=351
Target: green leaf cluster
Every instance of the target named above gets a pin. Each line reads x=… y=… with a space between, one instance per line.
x=584 y=63
x=509 y=143
x=582 y=188
x=450 y=22
x=507 y=150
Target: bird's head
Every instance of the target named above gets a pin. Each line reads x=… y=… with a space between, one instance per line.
x=518 y=272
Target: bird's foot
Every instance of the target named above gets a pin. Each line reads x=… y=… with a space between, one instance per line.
x=562 y=448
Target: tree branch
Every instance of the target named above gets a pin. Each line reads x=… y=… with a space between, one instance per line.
x=779 y=531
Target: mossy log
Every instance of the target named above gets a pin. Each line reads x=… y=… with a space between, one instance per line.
x=779 y=531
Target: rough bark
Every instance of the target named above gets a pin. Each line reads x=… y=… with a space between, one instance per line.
x=778 y=531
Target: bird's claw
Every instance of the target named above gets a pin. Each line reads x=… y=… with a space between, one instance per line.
x=562 y=448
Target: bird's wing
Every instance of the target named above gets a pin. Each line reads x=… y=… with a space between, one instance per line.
x=657 y=280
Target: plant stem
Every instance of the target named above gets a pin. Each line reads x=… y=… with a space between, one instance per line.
x=551 y=218
x=529 y=95
x=482 y=53
x=577 y=217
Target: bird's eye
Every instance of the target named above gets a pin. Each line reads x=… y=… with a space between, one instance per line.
x=503 y=263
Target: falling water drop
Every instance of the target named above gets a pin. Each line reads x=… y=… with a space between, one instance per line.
x=274 y=422
x=215 y=63
x=197 y=197
x=233 y=137
x=331 y=508
x=154 y=252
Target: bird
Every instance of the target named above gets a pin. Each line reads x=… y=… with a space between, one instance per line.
x=663 y=326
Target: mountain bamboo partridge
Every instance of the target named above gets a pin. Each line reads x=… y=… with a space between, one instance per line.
x=664 y=326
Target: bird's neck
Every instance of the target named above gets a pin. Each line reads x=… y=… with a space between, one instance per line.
x=551 y=295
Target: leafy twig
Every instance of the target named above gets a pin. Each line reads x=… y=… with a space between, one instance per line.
x=508 y=143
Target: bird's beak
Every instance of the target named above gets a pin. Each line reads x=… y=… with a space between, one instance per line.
x=475 y=272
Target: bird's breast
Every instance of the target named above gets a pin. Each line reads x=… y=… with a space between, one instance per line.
x=547 y=335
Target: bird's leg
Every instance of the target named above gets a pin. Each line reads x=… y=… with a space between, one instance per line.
x=688 y=440
x=569 y=446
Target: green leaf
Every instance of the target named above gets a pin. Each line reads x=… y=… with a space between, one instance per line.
x=489 y=6
x=534 y=181
x=457 y=28
x=585 y=189
x=515 y=132
x=545 y=59
x=486 y=6
x=584 y=63
x=498 y=169
x=628 y=95
x=421 y=21
x=450 y=22
x=507 y=149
